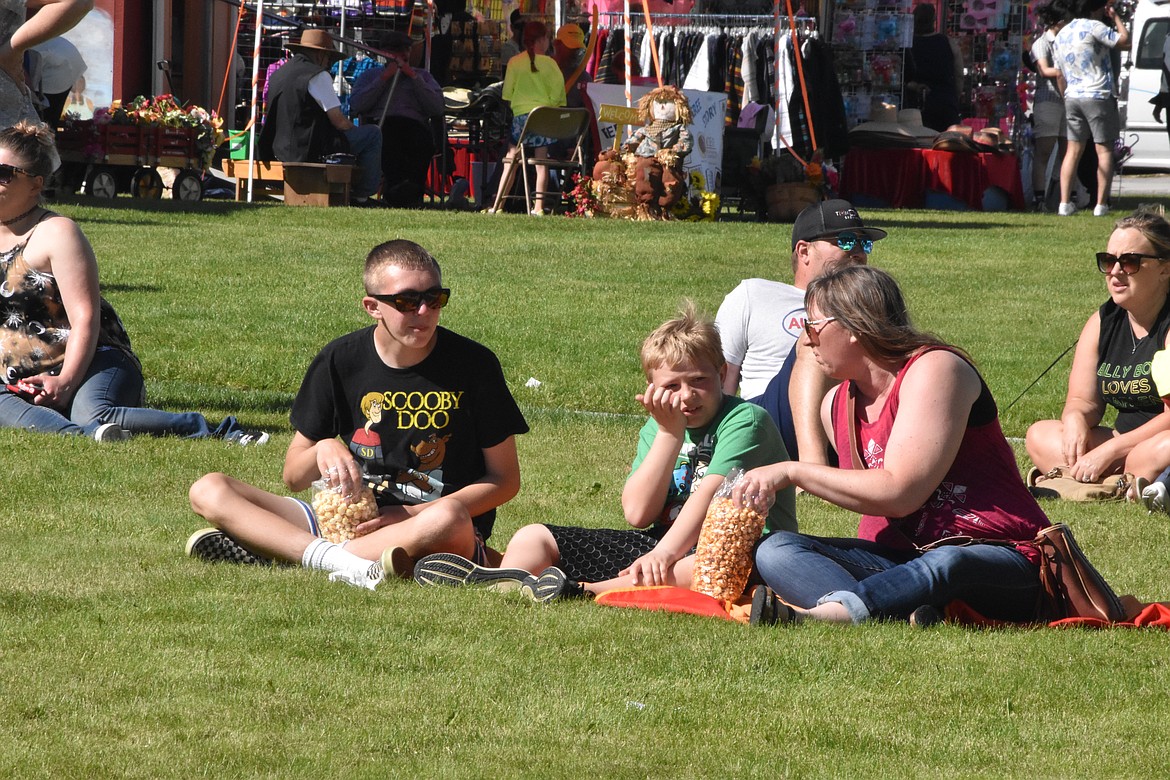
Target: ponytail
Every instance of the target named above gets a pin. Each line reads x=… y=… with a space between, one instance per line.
x=534 y=32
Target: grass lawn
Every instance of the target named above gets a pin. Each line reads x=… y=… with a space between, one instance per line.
x=119 y=657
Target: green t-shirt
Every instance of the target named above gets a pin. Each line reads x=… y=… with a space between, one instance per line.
x=742 y=434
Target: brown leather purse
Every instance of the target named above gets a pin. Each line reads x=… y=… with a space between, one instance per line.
x=1070 y=586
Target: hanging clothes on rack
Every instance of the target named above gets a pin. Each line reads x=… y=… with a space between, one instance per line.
x=825 y=102
x=736 y=54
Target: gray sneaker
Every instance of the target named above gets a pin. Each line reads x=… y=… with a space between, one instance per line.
x=212 y=545
x=455 y=570
x=551 y=585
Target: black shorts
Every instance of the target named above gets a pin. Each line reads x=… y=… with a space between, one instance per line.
x=597 y=554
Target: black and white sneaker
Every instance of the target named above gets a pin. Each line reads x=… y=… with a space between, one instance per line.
x=212 y=545
x=553 y=584
x=369 y=578
x=455 y=570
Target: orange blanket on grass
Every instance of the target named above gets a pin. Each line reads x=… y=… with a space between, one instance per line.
x=665 y=598
x=1138 y=615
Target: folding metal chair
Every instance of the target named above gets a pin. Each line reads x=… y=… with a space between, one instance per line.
x=565 y=125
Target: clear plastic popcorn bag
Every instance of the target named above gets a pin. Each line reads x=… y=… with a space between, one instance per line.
x=337 y=514
x=723 y=556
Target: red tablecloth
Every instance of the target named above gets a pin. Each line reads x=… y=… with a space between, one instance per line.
x=901 y=177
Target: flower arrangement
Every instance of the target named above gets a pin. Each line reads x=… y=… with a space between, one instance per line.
x=582 y=199
x=700 y=205
x=163 y=111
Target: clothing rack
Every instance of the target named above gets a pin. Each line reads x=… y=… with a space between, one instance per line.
x=776 y=24
x=613 y=19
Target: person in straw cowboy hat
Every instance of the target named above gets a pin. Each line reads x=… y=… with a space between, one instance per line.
x=304 y=115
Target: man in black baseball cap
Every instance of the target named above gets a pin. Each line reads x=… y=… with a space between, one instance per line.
x=828 y=220
x=761 y=323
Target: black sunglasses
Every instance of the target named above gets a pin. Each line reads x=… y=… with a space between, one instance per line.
x=409 y=300
x=1130 y=262
x=8 y=171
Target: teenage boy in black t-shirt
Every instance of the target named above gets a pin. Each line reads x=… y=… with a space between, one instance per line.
x=418 y=409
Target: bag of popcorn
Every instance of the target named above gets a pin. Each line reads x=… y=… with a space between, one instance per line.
x=337 y=515
x=723 y=556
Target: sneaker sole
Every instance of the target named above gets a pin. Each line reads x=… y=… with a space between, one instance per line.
x=108 y=432
x=768 y=609
x=454 y=570
x=763 y=607
x=547 y=587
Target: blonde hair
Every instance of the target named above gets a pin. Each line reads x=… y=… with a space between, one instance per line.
x=33 y=143
x=687 y=338
x=401 y=253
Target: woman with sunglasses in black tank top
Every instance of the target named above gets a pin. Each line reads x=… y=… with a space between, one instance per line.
x=1111 y=366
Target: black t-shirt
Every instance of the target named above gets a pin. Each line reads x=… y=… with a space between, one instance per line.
x=421 y=429
x=1123 y=366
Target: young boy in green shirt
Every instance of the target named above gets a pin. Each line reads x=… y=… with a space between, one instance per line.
x=695 y=435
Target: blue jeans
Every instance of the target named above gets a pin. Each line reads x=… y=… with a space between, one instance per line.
x=874 y=581
x=112 y=391
x=365 y=143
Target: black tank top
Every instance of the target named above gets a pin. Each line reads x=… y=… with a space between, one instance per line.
x=1123 y=365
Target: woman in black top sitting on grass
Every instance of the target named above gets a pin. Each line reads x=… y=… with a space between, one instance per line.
x=1111 y=366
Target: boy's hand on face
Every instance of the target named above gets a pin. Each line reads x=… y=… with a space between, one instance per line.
x=665 y=406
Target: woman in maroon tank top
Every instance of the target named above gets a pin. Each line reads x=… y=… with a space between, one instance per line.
x=922 y=459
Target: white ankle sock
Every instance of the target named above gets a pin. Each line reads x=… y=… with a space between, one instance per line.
x=328 y=556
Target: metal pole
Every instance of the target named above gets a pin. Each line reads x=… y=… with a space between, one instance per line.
x=255 y=96
x=626 y=20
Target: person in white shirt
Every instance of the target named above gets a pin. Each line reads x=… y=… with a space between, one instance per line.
x=761 y=320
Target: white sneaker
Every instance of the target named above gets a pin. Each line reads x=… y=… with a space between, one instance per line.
x=110 y=432
x=369 y=578
x=1154 y=497
x=1100 y=210
x=1066 y=209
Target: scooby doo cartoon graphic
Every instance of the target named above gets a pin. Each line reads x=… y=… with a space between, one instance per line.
x=426 y=481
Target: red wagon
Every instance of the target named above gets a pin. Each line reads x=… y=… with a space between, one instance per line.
x=111 y=158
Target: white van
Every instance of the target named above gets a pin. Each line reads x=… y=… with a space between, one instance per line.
x=1147 y=139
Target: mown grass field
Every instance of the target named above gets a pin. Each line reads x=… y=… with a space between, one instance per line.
x=119 y=657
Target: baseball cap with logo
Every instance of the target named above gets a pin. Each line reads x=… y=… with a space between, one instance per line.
x=571 y=36
x=828 y=218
